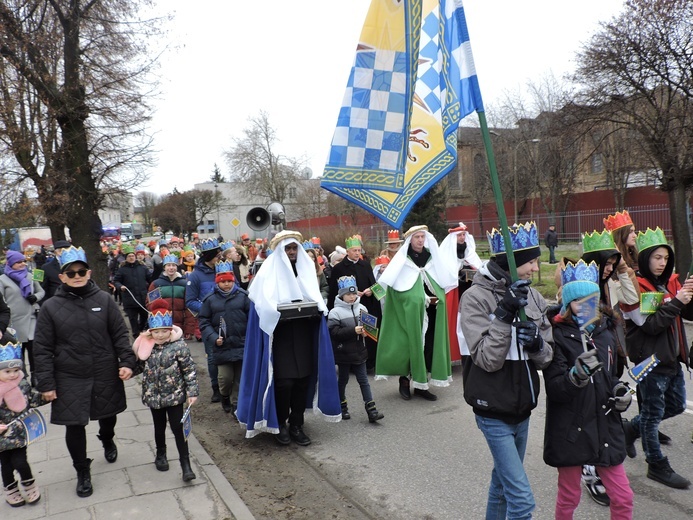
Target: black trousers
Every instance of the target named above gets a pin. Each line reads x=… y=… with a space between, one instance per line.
x=11 y=460
x=76 y=437
x=290 y=398
x=138 y=320
x=174 y=415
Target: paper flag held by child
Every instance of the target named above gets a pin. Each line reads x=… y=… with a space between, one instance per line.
x=640 y=371
x=187 y=423
x=33 y=423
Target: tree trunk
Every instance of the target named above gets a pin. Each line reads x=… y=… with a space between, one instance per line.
x=679 y=225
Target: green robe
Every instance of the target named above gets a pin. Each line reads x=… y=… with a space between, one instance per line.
x=401 y=339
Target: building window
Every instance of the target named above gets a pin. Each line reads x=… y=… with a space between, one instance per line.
x=292 y=193
x=210 y=223
x=596 y=164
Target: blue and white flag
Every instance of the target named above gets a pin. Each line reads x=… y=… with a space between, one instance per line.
x=412 y=81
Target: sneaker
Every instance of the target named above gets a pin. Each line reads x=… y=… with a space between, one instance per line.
x=596 y=489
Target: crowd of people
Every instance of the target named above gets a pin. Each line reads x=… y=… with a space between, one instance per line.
x=284 y=326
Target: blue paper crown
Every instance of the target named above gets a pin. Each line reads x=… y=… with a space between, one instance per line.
x=308 y=245
x=161 y=320
x=347 y=283
x=523 y=236
x=225 y=245
x=170 y=259
x=139 y=247
x=209 y=243
x=72 y=254
x=580 y=272
x=224 y=267
x=11 y=355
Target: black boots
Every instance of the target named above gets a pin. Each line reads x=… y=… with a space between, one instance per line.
x=110 y=451
x=226 y=404
x=631 y=436
x=216 y=396
x=373 y=413
x=661 y=472
x=283 y=438
x=298 y=436
x=161 y=462
x=84 y=488
x=404 y=391
x=188 y=474
x=345 y=411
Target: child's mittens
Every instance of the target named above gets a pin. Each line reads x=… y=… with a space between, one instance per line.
x=622 y=397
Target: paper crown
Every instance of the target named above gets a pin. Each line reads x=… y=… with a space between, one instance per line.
x=283 y=235
x=353 y=242
x=307 y=245
x=208 y=244
x=11 y=355
x=126 y=249
x=170 y=259
x=382 y=260
x=226 y=245
x=579 y=280
x=618 y=220
x=160 y=316
x=523 y=236
x=187 y=249
x=346 y=284
x=393 y=237
x=597 y=241
x=72 y=254
x=139 y=247
x=174 y=240
x=258 y=241
x=223 y=267
x=315 y=241
x=245 y=236
x=650 y=238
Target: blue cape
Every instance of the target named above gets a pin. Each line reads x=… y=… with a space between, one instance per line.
x=257 y=410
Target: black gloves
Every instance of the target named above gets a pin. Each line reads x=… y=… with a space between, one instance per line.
x=528 y=336
x=514 y=299
x=586 y=365
x=31 y=299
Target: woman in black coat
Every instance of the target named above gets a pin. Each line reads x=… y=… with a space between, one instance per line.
x=82 y=356
x=584 y=401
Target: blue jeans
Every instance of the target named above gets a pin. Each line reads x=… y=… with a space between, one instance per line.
x=361 y=377
x=509 y=495
x=663 y=396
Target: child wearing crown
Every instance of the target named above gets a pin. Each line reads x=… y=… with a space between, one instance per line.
x=580 y=386
x=16 y=396
x=656 y=327
x=348 y=345
x=168 y=381
x=223 y=319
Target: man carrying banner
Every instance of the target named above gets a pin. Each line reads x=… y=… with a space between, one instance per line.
x=414 y=333
x=501 y=381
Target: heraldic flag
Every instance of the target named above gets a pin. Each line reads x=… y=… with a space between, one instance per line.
x=412 y=81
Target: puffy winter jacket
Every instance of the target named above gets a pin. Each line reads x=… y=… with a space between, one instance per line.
x=578 y=430
x=173 y=291
x=234 y=309
x=500 y=380
x=348 y=347
x=81 y=342
x=200 y=284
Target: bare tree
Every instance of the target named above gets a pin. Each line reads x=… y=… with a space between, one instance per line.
x=310 y=202
x=254 y=161
x=638 y=69
x=182 y=213
x=72 y=76
x=146 y=201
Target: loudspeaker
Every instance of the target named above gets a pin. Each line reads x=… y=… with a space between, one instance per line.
x=276 y=212
x=258 y=219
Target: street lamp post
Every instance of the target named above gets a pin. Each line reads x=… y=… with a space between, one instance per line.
x=216 y=201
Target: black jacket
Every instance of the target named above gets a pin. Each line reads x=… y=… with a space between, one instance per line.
x=51 y=281
x=578 y=430
x=80 y=343
x=234 y=309
x=348 y=347
x=363 y=272
x=136 y=278
x=4 y=315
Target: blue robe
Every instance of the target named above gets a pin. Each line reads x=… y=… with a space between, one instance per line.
x=257 y=410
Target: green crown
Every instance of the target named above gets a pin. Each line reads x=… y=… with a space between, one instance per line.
x=596 y=241
x=352 y=242
x=650 y=238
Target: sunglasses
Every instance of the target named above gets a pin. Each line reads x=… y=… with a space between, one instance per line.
x=72 y=274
